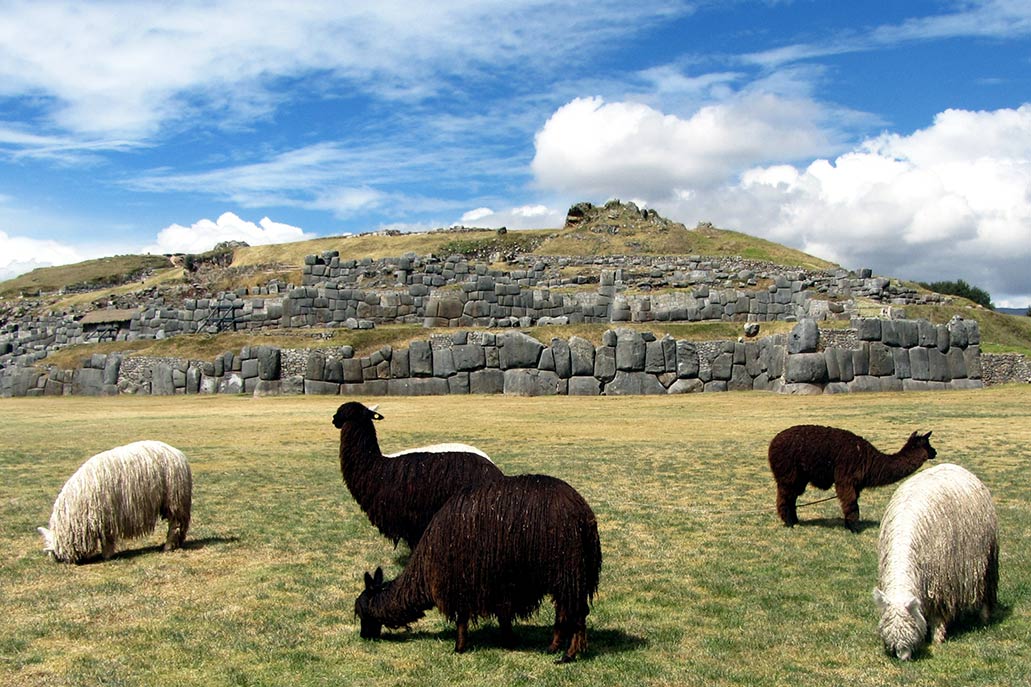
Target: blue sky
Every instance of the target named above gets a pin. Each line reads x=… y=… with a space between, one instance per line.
x=882 y=134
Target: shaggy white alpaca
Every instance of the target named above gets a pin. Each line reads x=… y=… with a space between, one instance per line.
x=939 y=557
x=119 y=494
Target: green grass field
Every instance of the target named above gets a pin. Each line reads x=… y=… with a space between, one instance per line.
x=701 y=585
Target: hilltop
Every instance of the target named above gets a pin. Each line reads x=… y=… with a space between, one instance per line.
x=611 y=229
x=599 y=237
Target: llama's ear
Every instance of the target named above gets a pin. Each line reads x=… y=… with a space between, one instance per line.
x=377 y=578
x=928 y=435
x=369 y=583
x=878 y=598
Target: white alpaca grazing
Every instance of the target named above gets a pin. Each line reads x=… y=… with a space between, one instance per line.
x=119 y=494
x=939 y=557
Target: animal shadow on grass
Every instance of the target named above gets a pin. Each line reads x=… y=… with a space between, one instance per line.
x=527 y=638
x=189 y=545
x=838 y=523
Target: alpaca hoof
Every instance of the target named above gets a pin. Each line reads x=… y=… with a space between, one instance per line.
x=566 y=658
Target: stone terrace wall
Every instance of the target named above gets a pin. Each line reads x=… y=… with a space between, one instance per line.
x=873 y=355
x=456 y=292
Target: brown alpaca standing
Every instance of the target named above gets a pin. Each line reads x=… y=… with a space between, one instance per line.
x=825 y=456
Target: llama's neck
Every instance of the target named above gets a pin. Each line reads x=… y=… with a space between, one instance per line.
x=358 y=449
x=890 y=468
x=401 y=602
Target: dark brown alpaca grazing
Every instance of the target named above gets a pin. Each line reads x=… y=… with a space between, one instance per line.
x=497 y=550
x=401 y=492
x=825 y=456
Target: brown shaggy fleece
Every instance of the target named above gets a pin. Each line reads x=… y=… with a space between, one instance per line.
x=826 y=456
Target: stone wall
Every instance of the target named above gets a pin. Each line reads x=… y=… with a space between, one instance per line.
x=872 y=355
x=458 y=292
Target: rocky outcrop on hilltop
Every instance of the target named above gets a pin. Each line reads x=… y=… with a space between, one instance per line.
x=615 y=217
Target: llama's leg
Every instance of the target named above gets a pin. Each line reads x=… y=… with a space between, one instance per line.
x=558 y=632
x=786 y=498
x=578 y=643
x=508 y=638
x=463 y=631
x=107 y=547
x=848 y=497
x=172 y=538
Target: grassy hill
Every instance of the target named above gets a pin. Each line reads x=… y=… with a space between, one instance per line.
x=88 y=275
x=703 y=240
x=252 y=265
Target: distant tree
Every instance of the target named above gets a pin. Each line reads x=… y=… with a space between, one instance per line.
x=1028 y=313
x=963 y=290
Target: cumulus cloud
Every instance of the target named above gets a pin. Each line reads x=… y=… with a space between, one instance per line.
x=946 y=202
x=203 y=234
x=604 y=149
x=20 y=254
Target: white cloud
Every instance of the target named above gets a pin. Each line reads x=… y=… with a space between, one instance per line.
x=947 y=202
x=523 y=217
x=203 y=234
x=20 y=254
x=598 y=149
x=477 y=214
x=104 y=69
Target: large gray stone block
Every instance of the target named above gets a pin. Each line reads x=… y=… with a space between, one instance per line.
x=804 y=337
x=468 y=357
x=581 y=353
x=269 y=363
x=531 y=382
x=654 y=359
x=903 y=368
x=739 y=380
x=920 y=364
x=806 y=368
x=487 y=381
x=687 y=360
x=584 y=386
x=560 y=351
x=631 y=350
x=882 y=363
x=939 y=365
x=605 y=363
x=316 y=367
x=319 y=388
x=161 y=383
x=417 y=386
x=420 y=359
x=352 y=370
x=634 y=384
x=519 y=350
x=399 y=367
x=686 y=386
x=443 y=363
x=868 y=328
